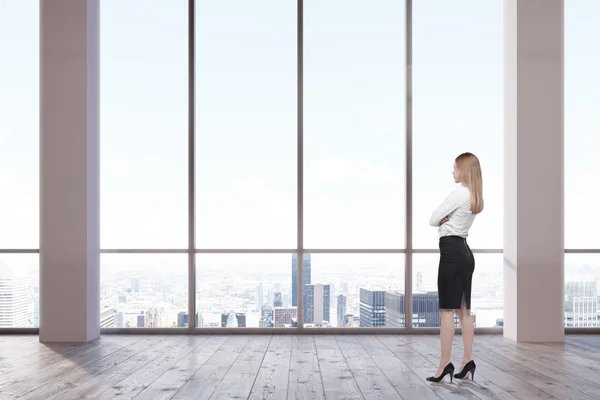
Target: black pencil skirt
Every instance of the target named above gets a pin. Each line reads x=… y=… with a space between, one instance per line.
x=455 y=272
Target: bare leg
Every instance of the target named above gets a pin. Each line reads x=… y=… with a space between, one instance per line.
x=468 y=332
x=446 y=336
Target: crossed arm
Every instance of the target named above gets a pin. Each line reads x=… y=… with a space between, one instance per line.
x=450 y=204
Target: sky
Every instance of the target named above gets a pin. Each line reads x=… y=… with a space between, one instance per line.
x=354 y=165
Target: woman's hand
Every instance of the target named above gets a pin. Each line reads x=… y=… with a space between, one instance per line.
x=444 y=220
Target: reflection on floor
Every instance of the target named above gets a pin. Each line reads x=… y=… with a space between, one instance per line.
x=293 y=367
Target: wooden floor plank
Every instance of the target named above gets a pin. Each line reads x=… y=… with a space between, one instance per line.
x=401 y=346
x=72 y=378
x=338 y=381
x=515 y=385
x=483 y=352
x=171 y=381
x=400 y=375
x=94 y=386
x=483 y=387
x=68 y=363
x=305 y=374
x=273 y=376
x=203 y=383
x=37 y=352
x=544 y=376
x=132 y=386
x=558 y=364
x=370 y=380
x=295 y=367
x=238 y=382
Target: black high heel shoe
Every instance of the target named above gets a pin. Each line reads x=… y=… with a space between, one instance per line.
x=469 y=367
x=449 y=369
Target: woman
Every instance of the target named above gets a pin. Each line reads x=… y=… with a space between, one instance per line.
x=453 y=219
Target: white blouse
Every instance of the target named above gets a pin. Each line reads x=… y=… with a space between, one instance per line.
x=457 y=207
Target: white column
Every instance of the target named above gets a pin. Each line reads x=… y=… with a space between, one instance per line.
x=69 y=175
x=534 y=170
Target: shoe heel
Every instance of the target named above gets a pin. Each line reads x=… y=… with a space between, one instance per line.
x=473 y=374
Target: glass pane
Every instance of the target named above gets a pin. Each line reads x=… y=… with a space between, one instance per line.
x=19 y=291
x=582 y=290
x=354 y=290
x=246 y=126
x=245 y=291
x=354 y=124
x=582 y=99
x=457 y=107
x=487 y=294
x=143 y=290
x=19 y=124
x=143 y=122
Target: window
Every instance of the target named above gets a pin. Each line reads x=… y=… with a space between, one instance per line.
x=582 y=166
x=143 y=122
x=457 y=107
x=19 y=163
x=19 y=124
x=144 y=186
x=354 y=290
x=354 y=124
x=582 y=290
x=246 y=124
x=19 y=291
x=143 y=291
x=582 y=98
x=246 y=166
x=487 y=294
x=245 y=291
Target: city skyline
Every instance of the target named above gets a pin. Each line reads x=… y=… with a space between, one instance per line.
x=171 y=288
x=354 y=165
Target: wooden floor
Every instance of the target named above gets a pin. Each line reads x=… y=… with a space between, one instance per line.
x=293 y=367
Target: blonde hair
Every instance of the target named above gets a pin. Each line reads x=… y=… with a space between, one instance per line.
x=469 y=174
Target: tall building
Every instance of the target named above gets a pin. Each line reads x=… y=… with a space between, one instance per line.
x=141 y=320
x=372 y=308
x=107 y=317
x=394 y=304
x=426 y=310
x=266 y=318
x=233 y=320
x=277 y=299
x=182 y=319
x=305 y=273
x=581 y=304
x=284 y=316
x=259 y=297
x=228 y=320
x=135 y=285
x=14 y=298
x=154 y=318
x=241 y=319
x=317 y=305
x=342 y=305
x=119 y=320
